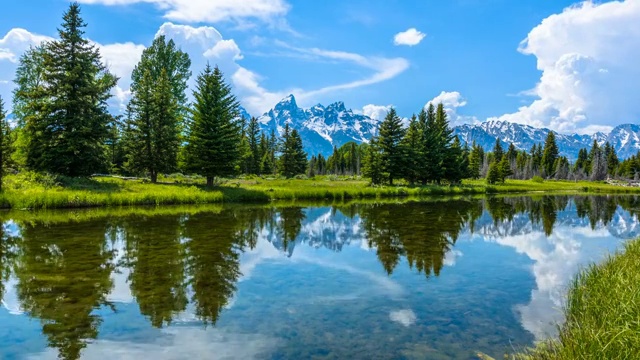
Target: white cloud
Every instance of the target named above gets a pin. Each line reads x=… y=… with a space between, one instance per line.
x=16 y=42
x=404 y=317
x=410 y=37
x=588 y=55
x=376 y=112
x=211 y=11
x=452 y=100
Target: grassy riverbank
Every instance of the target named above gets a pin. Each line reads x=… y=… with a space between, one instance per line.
x=31 y=191
x=602 y=313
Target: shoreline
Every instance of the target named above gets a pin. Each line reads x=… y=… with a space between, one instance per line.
x=26 y=194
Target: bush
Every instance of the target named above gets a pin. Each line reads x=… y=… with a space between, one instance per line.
x=537 y=179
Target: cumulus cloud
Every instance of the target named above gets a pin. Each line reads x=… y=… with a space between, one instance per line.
x=211 y=10
x=452 y=101
x=410 y=37
x=376 y=112
x=588 y=58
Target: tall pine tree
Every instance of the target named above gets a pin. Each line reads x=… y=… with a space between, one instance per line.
x=391 y=134
x=293 y=159
x=72 y=121
x=214 y=137
x=5 y=143
x=549 y=155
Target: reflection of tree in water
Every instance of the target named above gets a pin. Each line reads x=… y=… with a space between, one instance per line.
x=541 y=210
x=155 y=255
x=290 y=224
x=422 y=232
x=599 y=208
x=213 y=246
x=7 y=257
x=63 y=275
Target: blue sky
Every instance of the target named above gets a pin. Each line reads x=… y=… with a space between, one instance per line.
x=325 y=51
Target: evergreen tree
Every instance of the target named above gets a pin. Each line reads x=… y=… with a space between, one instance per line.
x=476 y=157
x=457 y=164
x=562 y=168
x=429 y=166
x=581 y=162
x=5 y=143
x=391 y=134
x=550 y=154
x=157 y=109
x=293 y=160
x=493 y=175
x=373 y=166
x=253 y=140
x=216 y=129
x=612 y=159
x=444 y=157
x=29 y=99
x=70 y=122
x=498 y=152
x=411 y=147
x=504 y=168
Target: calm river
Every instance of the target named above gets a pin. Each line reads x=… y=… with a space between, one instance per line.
x=438 y=279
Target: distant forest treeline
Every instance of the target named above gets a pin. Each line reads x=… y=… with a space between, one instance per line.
x=63 y=127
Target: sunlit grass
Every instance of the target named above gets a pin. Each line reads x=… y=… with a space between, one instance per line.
x=33 y=191
x=602 y=313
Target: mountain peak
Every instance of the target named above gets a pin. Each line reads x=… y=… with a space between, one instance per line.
x=337 y=106
x=288 y=102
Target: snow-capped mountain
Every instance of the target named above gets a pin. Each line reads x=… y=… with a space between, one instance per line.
x=320 y=127
x=323 y=127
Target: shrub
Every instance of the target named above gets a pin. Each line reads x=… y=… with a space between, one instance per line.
x=537 y=179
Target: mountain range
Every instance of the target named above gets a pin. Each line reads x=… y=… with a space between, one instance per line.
x=322 y=128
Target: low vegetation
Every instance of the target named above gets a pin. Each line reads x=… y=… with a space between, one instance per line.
x=35 y=191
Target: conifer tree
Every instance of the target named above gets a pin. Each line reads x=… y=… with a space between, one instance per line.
x=373 y=166
x=391 y=134
x=253 y=141
x=5 y=142
x=550 y=154
x=444 y=135
x=498 y=152
x=157 y=109
x=71 y=123
x=457 y=163
x=293 y=160
x=411 y=146
x=504 y=168
x=213 y=142
x=612 y=158
x=476 y=157
x=493 y=175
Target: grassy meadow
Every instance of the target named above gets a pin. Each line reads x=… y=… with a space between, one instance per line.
x=36 y=191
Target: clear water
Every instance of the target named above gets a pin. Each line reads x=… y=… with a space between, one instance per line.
x=423 y=280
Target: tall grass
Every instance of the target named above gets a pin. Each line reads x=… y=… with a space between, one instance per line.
x=602 y=312
x=37 y=191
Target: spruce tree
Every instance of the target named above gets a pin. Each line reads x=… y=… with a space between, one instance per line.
x=411 y=146
x=550 y=154
x=157 y=109
x=391 y=134
x=444 y=157
x=498 y=152
x=253 y=140
x=5 y=142
x=73 y=121
x=215 y=130
x=493 y=175
x=373 y=166
x=293 y=159
x=457 y=163
x=476 y=157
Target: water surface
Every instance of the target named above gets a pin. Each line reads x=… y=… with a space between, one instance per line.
x=422 y=280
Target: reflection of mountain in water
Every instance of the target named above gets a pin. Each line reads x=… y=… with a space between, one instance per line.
x=179 y=263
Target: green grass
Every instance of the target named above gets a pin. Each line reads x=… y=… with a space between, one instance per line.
x=602 y=313
x=35 y=191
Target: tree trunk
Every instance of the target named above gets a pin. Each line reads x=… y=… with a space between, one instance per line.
x=154 y=177
x=209 y=181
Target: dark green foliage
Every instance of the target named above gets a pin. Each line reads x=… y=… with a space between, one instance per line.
x=549 y=155
x=504 y=168
x=612 y=159
x=153 y=130
x=156 y=110
x=458 y=162
x=476 y=157
x=215 y=134
x=411 y=144
x=5 y=142
x=498 y=152
x=493 y=175
x=391 y=134
x=582 y=162
x=254 y=154
x=373 y=163
x=63 y=104
x=293 y=160
x=345 y=160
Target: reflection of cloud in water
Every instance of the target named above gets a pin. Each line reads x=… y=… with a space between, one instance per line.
x=557 y=259
x=10 y=300
x=179 y=343
x=451 y=257
x=405 y=317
